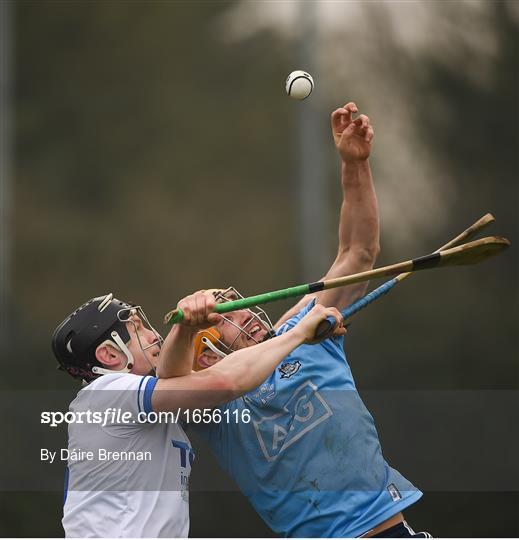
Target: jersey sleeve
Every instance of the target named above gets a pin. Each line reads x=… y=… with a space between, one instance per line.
x=122 y=394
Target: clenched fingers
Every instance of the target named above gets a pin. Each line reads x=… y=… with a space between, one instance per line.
x=341 y=117
x=198 y=309
x=338 y=329
x=364 y=128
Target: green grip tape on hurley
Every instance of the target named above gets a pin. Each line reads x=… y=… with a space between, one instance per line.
x=177 y=316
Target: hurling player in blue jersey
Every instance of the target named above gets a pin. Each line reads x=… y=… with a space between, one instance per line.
x=310 y=460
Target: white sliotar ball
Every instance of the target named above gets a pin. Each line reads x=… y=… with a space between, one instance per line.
x=299 y=84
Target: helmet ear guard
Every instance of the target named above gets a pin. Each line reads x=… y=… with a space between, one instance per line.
x=206 y=339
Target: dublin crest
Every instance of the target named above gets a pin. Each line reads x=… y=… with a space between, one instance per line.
x=288 y=369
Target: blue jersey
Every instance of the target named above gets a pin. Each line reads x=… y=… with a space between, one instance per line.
x=310 y=460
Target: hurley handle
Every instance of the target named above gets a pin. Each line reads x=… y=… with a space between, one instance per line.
x=325 y=326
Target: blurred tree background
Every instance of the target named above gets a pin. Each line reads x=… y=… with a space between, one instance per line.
x=155 y=154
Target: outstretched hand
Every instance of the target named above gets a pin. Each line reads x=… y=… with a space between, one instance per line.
x=352 y=136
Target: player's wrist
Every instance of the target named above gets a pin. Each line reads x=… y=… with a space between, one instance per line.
x=297 y=335
x=184 y=332
x=355 y=173
x=352 y=162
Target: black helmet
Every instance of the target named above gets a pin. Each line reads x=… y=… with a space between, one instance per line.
x=75 y=340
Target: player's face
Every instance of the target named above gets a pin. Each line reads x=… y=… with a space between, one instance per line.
x=141 y=338
x=252 y=331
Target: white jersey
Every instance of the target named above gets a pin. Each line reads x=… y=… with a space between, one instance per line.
x=126 y=478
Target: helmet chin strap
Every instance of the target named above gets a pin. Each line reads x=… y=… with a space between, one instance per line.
x=121 y=346
x=209 y=345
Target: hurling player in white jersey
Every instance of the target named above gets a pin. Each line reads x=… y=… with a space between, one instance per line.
x=127 y=474
x=310 y=461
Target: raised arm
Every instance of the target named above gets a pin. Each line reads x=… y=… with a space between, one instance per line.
x=240 y=371
x=358 y=244
x=359 y=239
x=176 y=355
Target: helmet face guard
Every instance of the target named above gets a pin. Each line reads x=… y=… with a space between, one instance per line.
x=211 y=337
x=100 y=321
x=126 y=316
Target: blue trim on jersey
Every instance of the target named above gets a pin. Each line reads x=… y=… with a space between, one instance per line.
x=67 y=478
x=148 y=391
x=139 y=394
x=65 y=490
